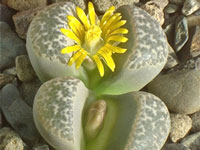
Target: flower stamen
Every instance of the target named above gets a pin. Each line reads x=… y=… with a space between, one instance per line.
x=92 y=36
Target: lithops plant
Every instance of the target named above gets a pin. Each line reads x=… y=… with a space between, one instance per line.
x=145 y=56
x=93 y=103
x=69 y=116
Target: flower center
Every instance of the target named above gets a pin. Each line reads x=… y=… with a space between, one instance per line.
x=93 y=40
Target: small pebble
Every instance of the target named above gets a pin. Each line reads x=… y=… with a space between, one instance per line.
x=24 y=68
x=195 y=122
x=80 y=3
x=18 y=114
x=103 y=5
x=5 y=79
x=197 y=12
x=193 y=20
x=195 y=44
x=9 y=140
x=21 y=5
x=190 y=6
x=6 y=14
x=161 y=3
x=174 y=146
x=11 y=71
x=154 y=10
x=192 y=141
x=23 y=19
x=177 y=2
x=181 y=33
x=171 y=59
x=190 y=64
x=28 y=90
x=180 y=125
x=10 y=47
x=171 y=8
x=179 y=90
x=169 y=28
x=191 y=48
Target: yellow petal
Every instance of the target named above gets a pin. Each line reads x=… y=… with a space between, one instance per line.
x=117 y=31
x=117 y=25
x=74 y=29
x=99 y=65
x=107 y=15
x=117 y=19
x=108 y=58
x=108 y=26
x=105 y=50
x=70 y=49
x=115 y=49
x=82 y=16
x=80 y=60
x=110 y=21
x=70 y=34
x=117 y=38
x=76 y=22
x=74 y=57
x=120 y=31
x=92 y=13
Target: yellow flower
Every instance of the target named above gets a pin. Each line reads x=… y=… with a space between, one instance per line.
x=95 y=39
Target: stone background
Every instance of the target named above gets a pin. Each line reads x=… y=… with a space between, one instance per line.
x=178 y=85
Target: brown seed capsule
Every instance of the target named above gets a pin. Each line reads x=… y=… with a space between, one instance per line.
x=95 y=118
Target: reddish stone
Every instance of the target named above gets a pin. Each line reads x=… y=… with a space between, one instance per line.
x=22 y=21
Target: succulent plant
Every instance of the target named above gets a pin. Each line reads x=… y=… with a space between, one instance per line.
x=93 y=103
